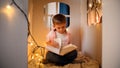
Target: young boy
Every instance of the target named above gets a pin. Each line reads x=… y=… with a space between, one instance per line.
x=59 y=31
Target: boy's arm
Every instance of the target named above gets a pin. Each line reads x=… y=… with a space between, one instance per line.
x=53 y=43
x=50 y=40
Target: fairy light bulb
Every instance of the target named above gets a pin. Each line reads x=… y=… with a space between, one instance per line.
x=32 y=57
x=31 y=43
x=90 y=5
x=36 y=54
x=8 y=6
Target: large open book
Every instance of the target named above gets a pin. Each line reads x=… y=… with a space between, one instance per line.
x=62 y=50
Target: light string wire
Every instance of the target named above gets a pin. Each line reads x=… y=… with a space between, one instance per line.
x=29 y=32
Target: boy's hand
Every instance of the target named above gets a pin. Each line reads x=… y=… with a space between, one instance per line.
x=55 y=44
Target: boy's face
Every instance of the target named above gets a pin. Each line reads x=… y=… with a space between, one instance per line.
x=61 y=28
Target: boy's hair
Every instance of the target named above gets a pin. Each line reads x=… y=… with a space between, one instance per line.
x=59 y=19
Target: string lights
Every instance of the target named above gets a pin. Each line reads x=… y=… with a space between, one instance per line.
x=94 y=11
x=33 y=56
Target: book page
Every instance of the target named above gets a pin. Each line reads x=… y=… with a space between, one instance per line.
x=68 y=48
x=53 y=49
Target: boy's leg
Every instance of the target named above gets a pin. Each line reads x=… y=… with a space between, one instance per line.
x=61 y=60
x=53 y=58
x=69 y=57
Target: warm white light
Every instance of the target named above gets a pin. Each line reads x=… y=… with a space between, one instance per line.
x=9 y=11
x=90 y=5
x=8 y=6
x=37 y=54
x=31 y=43
x=32 y=57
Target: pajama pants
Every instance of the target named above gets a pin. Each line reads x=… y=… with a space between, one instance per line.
x=61 y=60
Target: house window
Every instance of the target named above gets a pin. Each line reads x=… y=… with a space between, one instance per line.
x=56 y=8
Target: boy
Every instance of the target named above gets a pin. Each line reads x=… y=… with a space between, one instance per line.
x=59 y=31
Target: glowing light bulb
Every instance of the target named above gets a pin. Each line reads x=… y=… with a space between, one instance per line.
x=31 y=43
x=32 y=57
x=37 y=54
x=90 y=5
x=8 y=6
